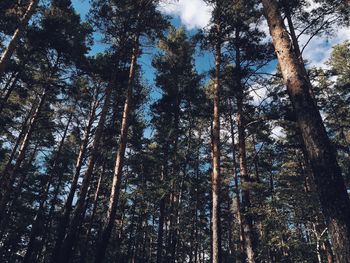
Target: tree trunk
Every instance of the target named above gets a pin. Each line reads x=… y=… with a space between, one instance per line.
x=114 y=196
x=38 y=220
x=247 y=220
x=161 y=220
x=79 y=210
x=64 y=220
x=8 y=92
x=330 y=184
x=11 y=174
x=16 y=36
x=216 y=239
x=84 y=249
x=236 y=189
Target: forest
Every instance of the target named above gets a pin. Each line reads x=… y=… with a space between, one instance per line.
x=128 y=136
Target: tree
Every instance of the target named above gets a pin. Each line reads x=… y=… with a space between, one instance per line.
x=17 y=35
x=331 y=189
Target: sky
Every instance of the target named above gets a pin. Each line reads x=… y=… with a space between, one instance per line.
x=194 y=15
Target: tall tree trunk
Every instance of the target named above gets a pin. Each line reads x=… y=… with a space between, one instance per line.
x=216 y=239
x=114 y=196
x=38 y=220
x=64 y=220
x=17 y=35
x=9 y=90
x=245 y=178
x=161 y=219
x=330 y=184
x=11 y=174
x=79 y=210
x=24 y=127
x=84 y=249
x=236 y=188
x=247 y=219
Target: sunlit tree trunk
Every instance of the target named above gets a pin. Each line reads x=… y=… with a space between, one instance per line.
x=17 y=35
x=330 y=184
x=114 y=196
x=216 y=239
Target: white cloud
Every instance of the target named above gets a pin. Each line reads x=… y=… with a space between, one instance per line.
x=193 y=13
x=319 y=50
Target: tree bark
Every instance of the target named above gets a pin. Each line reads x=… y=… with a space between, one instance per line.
x=216 y=239
x=17 y=35
x=330 y=184
x=114 y=196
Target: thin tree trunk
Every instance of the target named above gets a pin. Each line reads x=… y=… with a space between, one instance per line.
x=38 y=220
x=64 y=220
x=11 y=174
x=8 y=92
x=24 y=128
x=84 y=250
x=161 y=220
x=216 y=239
x=17 y=35
x=114 y=196
x=330 y=184
x=247 y=220
x=79 y=211
x=244 y=175
x=236 y=189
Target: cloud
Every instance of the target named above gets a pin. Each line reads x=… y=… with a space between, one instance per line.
x=192 y=13
x=320 y=48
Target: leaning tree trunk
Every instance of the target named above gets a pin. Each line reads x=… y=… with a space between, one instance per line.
x=17 y=35
x=216 y=239
x=12 y=173
x=79 y=210
x=38 y=220
x=11 y=86
x=64 y=220
x=330 y=184
x=114 y=196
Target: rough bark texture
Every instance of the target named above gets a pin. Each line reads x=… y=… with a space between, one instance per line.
x=114 y=196
x=328 y=178
x=17 y=35
x=216 y=244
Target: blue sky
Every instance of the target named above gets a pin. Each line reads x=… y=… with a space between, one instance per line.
x=195 y=14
